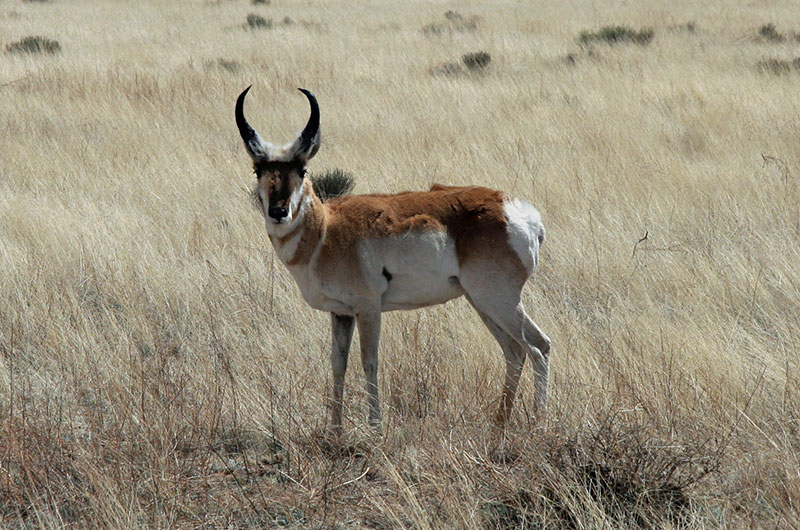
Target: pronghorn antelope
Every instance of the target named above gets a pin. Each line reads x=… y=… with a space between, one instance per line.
x=357 y=256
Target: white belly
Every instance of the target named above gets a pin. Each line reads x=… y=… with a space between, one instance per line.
x=405 y=272
x=423 y=269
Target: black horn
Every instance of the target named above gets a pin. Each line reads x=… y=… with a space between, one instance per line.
x=250 y=137
x=309 y=138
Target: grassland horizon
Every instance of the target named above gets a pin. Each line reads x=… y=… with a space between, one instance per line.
x=159 y=368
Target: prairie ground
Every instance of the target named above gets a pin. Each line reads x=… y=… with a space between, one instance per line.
x=159 y=368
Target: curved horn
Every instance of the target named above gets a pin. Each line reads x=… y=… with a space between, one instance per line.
x=310 y=137
x=252 y=141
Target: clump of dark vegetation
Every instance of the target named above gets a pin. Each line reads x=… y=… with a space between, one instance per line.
x=333 y=183
x=571 y=58
x=461 y=22
x=453 y=22
x=617 y=35
x=231 y=66
x=477 y=60
x=474 y=62
x=448 y=69
x=778 y=66
x=621 y=468
x=770 y=33
x=258 y=22
x=687 y=27
x=261 y=2
x=35 y=44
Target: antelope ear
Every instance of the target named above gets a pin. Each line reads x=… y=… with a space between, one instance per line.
x=307 y=143
x=255 y=146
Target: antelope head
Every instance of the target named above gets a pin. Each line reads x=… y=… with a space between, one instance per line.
x=280 y=170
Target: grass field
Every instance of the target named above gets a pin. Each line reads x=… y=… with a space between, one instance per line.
x=159 y=368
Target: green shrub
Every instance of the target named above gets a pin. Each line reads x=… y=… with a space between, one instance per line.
x=477 y=60
x=778 y=66
x=333 y=183
x=770 y=33
x=454 y=21
x=258 y=22
x=617 y=35
x=434 y=28
x=35 y=44
x=460 y=22
x=261 y=2
x=231 y=66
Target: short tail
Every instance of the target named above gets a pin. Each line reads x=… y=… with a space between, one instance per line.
x=526 y=231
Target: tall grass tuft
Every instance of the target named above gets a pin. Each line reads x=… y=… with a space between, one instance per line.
x=617 y=35
x=35 y=44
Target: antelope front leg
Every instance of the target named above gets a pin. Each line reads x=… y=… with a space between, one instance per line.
x=369 y=333
x=342 y=332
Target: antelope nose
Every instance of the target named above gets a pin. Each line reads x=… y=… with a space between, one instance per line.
x=277 y=212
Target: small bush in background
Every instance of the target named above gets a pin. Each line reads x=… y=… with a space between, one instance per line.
x=460 y=22
x=434 y=28
x=333 y=183
x=454 y=21
x=617 y=35
x=35 y=44
x=261 y=2
x=686 y=27
x=258 y=22
x=770 y=33
x=448 y=69
x=231 y=66
x=778 y=66
x=477 y=60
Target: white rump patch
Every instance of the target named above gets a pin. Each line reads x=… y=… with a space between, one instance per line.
x=525 y=231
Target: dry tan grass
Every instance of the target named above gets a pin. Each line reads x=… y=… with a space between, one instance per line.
x=158 y=367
